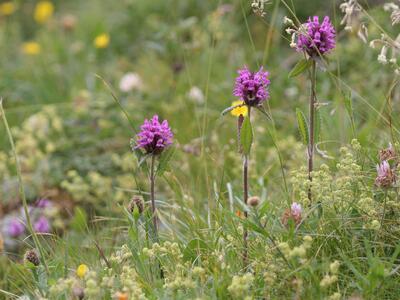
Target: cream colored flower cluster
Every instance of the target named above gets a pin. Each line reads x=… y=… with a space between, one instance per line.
x=240 y=286
x=337 y=190
x=298 y=252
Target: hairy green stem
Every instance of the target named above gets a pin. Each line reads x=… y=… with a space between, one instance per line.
x=311 y=146
x=245 y=198
x=152 y=196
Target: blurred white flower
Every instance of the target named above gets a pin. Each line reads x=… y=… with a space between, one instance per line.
x=130 y=81
x=382 y=56
x=196 y=95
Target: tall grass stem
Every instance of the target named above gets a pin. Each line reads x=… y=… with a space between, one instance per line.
x=22 y=190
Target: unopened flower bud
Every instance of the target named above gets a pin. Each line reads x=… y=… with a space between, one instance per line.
x=32 y=257
x=136 y=206
x=253 y=201
x=288 y=21
x=78 y=292
x=69 y=22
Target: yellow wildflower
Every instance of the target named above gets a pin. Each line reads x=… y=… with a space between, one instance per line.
x=82 y=270
x=242 y=110
x=101 y=41
x=43 y=11
x=7 y=8
x=31 y=48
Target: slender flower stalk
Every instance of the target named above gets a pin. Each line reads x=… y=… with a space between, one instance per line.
x=252 y=90
x=245 y=200
x=154 y=137
x=152 y=193
x=311 y=146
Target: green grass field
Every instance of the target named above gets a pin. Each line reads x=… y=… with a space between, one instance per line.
x=78 y=78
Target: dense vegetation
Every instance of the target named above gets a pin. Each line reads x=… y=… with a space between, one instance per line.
x=214 y=204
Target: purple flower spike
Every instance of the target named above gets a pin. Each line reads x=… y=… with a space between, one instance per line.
x=154 y=136
x=15 y=228
x=42 y=225
x=315 y=38
x=251 y=87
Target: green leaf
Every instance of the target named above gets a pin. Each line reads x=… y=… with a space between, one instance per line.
x=300 y=67
x=164 y=160
x=42 y=278
x=348 y=104
x=194 y=248
x=141 y=157
x=264 y=112
x=79 y=221
x=303 y=126
x=246 y=136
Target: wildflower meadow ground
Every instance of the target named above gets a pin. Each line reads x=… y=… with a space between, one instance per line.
x=227 y=149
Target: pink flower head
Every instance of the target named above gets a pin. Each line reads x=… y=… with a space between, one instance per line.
x=43 y=203
x=154 y=136
x=42 y=225
x=251 y=87
x=315 y=38
x=15 y=228
x=294 y=213
x=386 y=177
x=296 y=209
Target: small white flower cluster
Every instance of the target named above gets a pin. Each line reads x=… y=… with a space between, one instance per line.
x=121 y=255
x=196 y=95
x=297 y=252
x=179 y=283
x=258 y=7
x=240 y=286
x=351 y=10
x=293 y=31
x=166 y=249
x=373 y=225
x=92 y=290
x=395 y=10
x=390 y=51
x=130 y=81
x=389 y=47
x=331 y=277
x=130 y=284
x=62 y=286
